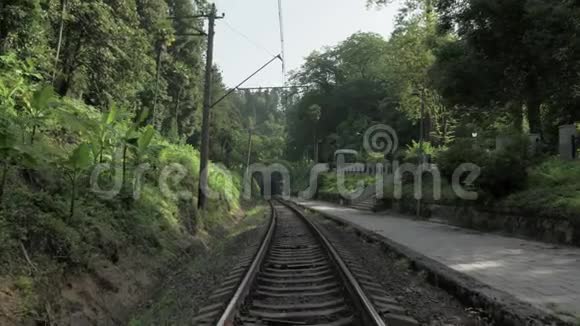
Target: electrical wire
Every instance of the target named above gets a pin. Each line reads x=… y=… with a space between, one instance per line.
x=247 y=38
x=282 y=45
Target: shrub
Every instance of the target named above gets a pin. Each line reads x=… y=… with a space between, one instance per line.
x=562 y=202
x=329 y=182
x=502 y=172
x=555 y=172
x=413 y=151
x=553 y=189
x=462 y=151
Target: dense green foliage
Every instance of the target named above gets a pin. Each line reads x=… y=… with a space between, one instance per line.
x=129 y=52
x=329 y=183
x=98 y=114
x=51 y=145
x=98 y=99
x=367 y=80
x=246 y=112
x=552 y=190
x=352 y=88
x=512 y=57
x=501 y=65
x=483 y=68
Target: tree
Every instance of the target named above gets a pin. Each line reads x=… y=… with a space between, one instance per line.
x=110 y=51
x=523 y=42
x=248 y=112
x=354 y=84
x=22 y=28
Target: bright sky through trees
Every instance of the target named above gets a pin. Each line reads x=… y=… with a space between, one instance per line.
x=249 y=36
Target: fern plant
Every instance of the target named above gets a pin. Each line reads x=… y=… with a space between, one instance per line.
x=14 y=80
x=37 y=109
x=78 y=162
x=102 y=136
x=143 y=142
x=136 y=140
x=415 y=149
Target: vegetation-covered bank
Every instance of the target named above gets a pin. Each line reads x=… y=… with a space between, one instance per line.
x=99 y=119
x=185 y=290
x=95 y=206
x=513 y=180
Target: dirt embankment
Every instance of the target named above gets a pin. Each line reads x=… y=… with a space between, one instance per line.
x=186 y=289
x=110 y=291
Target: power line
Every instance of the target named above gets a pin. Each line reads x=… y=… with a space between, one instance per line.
x=247 y=38
x=245 y=80
x=272 y=88
x=282 y=49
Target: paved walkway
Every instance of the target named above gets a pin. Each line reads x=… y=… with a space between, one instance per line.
x=545 y=275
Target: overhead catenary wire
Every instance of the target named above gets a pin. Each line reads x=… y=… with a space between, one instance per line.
x=247 y=38
x=245 y=80
x=282 y=45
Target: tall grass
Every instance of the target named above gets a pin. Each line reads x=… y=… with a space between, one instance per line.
x=554 y=173
x=553 y=189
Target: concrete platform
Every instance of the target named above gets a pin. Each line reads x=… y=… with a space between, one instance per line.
x=544 y=275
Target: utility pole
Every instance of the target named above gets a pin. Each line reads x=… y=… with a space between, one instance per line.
x=251 y=127
x=421 y=160
x=207 y=104
x=315 y=158
x=249 y=155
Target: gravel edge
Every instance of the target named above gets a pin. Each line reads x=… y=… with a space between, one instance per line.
x=188 y=288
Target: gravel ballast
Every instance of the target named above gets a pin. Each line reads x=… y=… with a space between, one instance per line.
x=426 y=303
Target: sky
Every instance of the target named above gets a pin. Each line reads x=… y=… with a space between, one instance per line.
x=249 y=35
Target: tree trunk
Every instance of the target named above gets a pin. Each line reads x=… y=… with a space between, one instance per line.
x=3 y=31
x=315 y=153
x=33 y=134
x=124 y=164
x=228 y=155
x=70 y=63
x=157 y=76
x=533 y=112
x=516 y=112
x=73 y=196
x=533 y=103
x=3 y=179
x=59 y=45
x=574 y=110
x=175 y=120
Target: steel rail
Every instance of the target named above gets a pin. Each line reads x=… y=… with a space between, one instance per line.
x=370 y=315
x=227 y=318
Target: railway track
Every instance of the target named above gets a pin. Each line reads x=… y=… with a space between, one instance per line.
x=298 y=277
